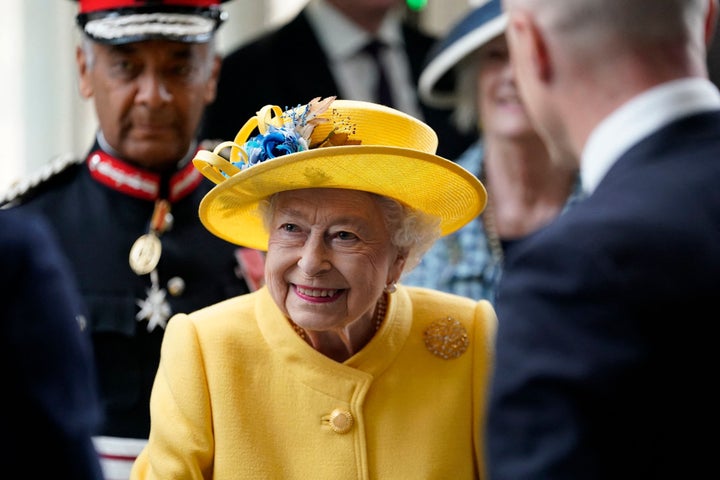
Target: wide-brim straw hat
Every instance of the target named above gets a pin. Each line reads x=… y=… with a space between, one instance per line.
x=117 y=22
x=332 y=144
x=471 y=32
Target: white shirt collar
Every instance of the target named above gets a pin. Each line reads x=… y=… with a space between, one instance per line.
x=638 y=118
x=341 y=38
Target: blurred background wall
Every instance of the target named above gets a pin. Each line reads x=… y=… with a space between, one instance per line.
x=41 y=112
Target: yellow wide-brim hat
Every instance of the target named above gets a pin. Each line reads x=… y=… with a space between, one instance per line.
x=332 y=144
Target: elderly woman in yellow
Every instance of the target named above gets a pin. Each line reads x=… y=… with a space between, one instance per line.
x=332 y=370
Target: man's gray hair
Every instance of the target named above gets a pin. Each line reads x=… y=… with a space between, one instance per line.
x=632 y=20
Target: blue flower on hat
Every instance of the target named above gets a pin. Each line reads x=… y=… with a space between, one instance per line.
x=276 y=142
x=280 y=133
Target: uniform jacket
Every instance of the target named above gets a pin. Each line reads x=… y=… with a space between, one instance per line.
x=52 y=407
x=605 y=357
x=287 y=67
x=97 y=225
x=240 y=395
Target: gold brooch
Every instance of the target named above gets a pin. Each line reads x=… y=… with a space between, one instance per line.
x=446 y=338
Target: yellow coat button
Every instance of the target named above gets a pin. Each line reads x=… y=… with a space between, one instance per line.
x=341 y=421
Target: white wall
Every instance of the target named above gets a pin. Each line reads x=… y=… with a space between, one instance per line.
x=41 y=112
x=41 y=109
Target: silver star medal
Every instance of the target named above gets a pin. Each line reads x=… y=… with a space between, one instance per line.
x=155 y=309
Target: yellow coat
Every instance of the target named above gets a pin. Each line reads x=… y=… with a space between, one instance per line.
x=239 y=395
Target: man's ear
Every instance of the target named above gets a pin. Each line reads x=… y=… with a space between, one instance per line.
x=211 y=89
x=530 y=43
x=85 y=85
x=711 y=19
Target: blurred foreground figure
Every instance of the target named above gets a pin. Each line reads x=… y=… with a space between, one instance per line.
x=605 y=364
x=52 y=408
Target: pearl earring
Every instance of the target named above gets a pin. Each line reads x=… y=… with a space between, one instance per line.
x=390 y=288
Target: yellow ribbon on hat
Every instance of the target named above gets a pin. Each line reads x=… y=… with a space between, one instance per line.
x=215 y=167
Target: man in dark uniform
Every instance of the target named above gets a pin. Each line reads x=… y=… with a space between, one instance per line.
x=126 y=213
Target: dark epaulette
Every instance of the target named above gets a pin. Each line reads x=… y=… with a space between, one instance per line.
x=23 y=189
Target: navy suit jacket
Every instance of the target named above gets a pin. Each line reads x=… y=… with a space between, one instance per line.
x=606 y=365
x=51 y=408
x=288 y=67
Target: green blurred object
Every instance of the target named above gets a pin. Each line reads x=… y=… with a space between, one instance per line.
x=416 y=4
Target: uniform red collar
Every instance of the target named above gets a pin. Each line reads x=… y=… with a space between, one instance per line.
x=140 y=183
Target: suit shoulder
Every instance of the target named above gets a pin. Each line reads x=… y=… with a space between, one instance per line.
x=22 y=232
x=56 y=171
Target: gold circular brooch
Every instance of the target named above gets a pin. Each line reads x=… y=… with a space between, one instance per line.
x=446 y=338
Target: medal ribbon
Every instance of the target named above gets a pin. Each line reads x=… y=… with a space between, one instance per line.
x=160 y=218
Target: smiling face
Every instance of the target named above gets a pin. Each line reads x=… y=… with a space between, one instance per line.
x=501 y=110
x=329 y=256
x=149 y=96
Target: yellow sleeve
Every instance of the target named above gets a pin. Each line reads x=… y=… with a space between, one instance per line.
x=486 y=323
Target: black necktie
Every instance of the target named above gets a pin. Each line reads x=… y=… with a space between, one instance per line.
x=382 y=90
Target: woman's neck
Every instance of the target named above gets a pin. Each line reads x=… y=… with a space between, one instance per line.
x=342 y=343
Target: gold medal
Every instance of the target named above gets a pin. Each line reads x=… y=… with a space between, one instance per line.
x=145 y=254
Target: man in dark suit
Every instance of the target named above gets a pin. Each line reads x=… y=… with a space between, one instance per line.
x=606 y=358
x=51 y=407
x=323 y=52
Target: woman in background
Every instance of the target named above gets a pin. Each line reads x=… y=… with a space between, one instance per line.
x=526 y=190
